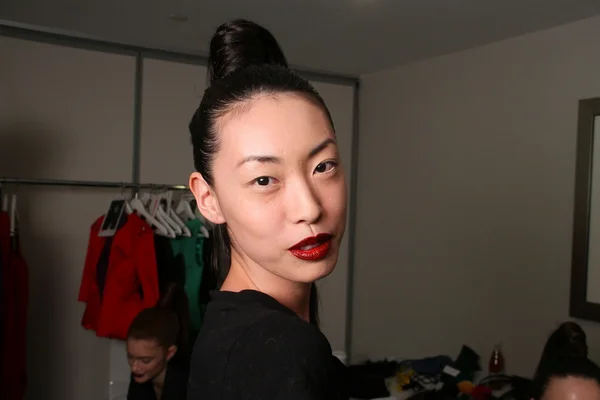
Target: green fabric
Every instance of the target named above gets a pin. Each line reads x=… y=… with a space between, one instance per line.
x=191 y=250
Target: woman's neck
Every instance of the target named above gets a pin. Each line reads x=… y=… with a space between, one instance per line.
x=159 y=382
x=293 y=295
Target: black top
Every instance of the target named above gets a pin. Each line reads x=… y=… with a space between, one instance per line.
x=252 y=347
x=174 y=387
x=169 y=267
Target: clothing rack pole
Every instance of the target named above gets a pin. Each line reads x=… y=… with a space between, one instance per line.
x=91 y=184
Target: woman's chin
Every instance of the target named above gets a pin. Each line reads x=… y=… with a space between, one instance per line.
x=140 y=378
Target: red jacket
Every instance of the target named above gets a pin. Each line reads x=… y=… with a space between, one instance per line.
x=131 y=280
x=15 y=303
x=88 y=290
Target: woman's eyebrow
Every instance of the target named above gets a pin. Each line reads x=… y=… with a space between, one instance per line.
x=268 y=159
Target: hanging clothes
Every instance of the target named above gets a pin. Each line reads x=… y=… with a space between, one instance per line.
x=170 y=266
x=5 y=315
x=4 y=252
x=190 y=249
x=132 y=269
x=89 y=292
x=209 y=274
x=131 y=278
x=15 y=303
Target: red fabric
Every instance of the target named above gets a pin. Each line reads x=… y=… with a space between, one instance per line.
x=6 y=307
x=481 y=392
x=88 y=290
x=15 y=279
x=4 y=236
x=131 y=280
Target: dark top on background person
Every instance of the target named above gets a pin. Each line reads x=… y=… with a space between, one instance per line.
x=269 y=177
x=568 y=377
x=157 y=349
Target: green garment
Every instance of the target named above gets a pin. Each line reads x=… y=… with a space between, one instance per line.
x=191 y=250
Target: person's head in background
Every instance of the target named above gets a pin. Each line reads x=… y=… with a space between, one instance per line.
x=568 y=378
x=157 y=335
x=268 y=167
x=152 y=343
x=568 y=339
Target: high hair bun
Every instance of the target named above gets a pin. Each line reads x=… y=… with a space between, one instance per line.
x=239 y=44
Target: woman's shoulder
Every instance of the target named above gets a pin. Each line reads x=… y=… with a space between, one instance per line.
x=250 y=343
x=281 y=329
x=292 y=353
x=253 y=320
x=266 y=321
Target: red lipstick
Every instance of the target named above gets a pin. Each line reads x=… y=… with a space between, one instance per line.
x=312 y=248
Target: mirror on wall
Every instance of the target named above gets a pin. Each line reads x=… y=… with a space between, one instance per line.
x=585 y=268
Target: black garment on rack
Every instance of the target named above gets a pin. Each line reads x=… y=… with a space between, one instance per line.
x=208 y=282
x=104 y=259
x=2 y=301
x=209 y=275
x=170 y=268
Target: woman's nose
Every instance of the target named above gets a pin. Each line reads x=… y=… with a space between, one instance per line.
x=304 y=203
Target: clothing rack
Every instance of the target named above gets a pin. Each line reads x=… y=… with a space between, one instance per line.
x=91 y=184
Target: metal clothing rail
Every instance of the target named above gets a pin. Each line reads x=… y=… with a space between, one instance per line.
x=91 y=184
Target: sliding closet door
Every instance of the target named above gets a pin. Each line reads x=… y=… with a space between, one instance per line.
x=65 y=113
x=333 y=289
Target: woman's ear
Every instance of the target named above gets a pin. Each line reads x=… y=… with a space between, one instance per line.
x=206 y=199
x=171 y=351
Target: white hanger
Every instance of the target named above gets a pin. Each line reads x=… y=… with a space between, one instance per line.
x=185 y=230
x=128 y=208
x=137 y=206
x=163 y=215
x=170 y=231
x=168 y=201
x=168 y=220
x=184 y=210
x=145 y=197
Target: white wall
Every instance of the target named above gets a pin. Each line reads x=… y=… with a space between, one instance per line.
x=465 y=198
x=68 y=113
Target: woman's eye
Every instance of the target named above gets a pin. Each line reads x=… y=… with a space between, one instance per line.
x=325 y=167
x=264 y=181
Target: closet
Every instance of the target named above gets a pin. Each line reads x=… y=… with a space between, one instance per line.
x=89 y=112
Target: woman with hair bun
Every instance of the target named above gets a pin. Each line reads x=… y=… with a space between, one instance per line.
x=269 y=177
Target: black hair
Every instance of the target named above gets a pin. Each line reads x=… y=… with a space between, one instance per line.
x=168 y=322
x=245 y=62
x=569 y=339
x=564 y=367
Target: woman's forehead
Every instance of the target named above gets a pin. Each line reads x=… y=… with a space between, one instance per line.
x=281 y=126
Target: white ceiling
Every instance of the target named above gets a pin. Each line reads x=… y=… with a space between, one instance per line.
x=343 y=36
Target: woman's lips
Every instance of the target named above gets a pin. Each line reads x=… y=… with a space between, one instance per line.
x=312 y=248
